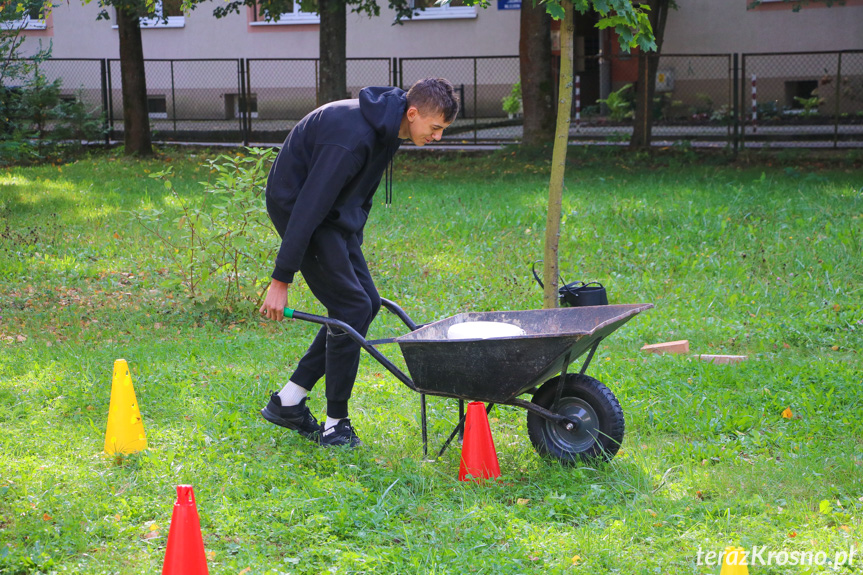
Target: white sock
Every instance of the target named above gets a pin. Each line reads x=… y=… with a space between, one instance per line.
x=331 y=422
x=292 y=394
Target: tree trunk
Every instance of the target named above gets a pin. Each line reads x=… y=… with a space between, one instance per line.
x=136 y=121
x=333 y=51
x=550 y=269
x=534 y=50
x=646 y=84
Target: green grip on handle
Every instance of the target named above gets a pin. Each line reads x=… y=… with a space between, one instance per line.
x=289 y=313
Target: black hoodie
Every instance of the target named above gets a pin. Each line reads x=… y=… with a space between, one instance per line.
x=329 y=169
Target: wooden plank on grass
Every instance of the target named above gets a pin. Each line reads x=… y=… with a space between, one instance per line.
x=681 y=346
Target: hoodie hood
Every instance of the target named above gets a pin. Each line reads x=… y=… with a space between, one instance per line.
x=383 y=108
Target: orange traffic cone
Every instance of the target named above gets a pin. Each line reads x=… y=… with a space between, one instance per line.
x=185 y=552
x=478 y=457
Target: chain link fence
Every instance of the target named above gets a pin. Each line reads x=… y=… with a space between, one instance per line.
x=187 y=100
x=811 y=97
x=693 y=99
x=482 y=83
x=804 y=99
x=81 y=80
x=282 y=91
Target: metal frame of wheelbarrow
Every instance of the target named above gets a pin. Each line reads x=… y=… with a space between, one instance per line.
x=368 y=346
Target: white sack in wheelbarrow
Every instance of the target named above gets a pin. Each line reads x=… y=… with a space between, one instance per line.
x=483 y=330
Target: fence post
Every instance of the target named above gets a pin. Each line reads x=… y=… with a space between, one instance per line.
x=110 y=101
x=248 y=103
x=394 y=70
x=738 y=113
x=735 y=101
x=173 y=100
x=475 y=115
x=401 y=73
x=838 y=96
x=241 y=83
x=317 y=84
x=103 y=72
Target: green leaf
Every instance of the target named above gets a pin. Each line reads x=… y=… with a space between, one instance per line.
x=646 y=44
x=555 y=10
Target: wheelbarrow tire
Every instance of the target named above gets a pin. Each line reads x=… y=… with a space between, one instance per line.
x=586 y=400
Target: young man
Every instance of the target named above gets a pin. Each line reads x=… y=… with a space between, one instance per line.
x=319 y=194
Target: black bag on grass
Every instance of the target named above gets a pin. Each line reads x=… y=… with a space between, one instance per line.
x=577 y=294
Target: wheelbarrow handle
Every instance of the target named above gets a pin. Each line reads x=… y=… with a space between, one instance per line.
x=400 y=313
x=340 y=326
x=389 y=304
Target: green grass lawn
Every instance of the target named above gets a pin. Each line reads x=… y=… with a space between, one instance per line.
x=761 y=260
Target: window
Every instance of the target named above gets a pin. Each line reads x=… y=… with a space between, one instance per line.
x=293 y=15
x=798 y=90
x=428 y=10
x=165 y=14
x=33 y=17
x=157 y=106
x=234 y=103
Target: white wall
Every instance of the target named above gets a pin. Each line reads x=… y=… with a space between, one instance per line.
x=722 y=26
x=698 y=26
x=75 y=33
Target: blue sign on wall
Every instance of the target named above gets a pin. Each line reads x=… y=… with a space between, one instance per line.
x=509 y=4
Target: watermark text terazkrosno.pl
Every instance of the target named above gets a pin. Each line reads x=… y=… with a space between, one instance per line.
x=761 y=555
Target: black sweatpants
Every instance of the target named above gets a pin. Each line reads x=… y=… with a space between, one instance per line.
x=337 y=274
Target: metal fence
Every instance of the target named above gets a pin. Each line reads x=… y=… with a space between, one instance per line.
x=186 y=99
x=483 y=83
x=812 y=97
x=693 y=99
x=805 y=99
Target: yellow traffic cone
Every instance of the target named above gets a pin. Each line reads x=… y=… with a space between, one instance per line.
x=125 y=433
x=734 y=562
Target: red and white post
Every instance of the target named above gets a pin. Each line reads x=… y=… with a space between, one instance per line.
x=754 y=105
x=577 y=102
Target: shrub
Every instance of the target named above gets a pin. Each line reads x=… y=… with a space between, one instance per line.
x=226 y=245
x=512 y=104
x=619 y=103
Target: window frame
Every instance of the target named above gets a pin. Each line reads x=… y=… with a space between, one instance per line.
x=157 y=20
x=286 y=18
x=30 y=23
x=442 y=12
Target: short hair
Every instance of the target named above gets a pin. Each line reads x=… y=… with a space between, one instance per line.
x=434 y=95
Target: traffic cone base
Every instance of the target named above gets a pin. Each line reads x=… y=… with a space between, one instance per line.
x=478 y=456
x=125 y=431
x=184 y=554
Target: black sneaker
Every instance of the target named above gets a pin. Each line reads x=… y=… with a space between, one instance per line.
x=340 y=434
x=296 y=417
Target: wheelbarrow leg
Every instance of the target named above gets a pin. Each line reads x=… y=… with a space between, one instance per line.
x=590 y=356
x=459 y=429
x=460 y=417
x=424 y=425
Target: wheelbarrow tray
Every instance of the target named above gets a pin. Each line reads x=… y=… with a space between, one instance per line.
x=500 y=369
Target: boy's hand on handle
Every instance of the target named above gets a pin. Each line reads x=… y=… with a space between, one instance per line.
x=276 y=301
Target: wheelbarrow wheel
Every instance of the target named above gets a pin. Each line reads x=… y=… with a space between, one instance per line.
x=586 y=401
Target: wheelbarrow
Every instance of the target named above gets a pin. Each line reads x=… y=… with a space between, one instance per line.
x=571 y=417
